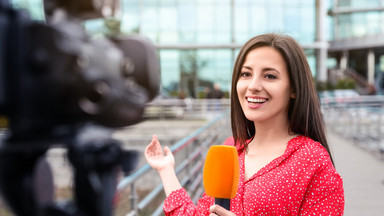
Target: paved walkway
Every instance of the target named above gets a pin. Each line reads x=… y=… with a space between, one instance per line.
x=363 y=176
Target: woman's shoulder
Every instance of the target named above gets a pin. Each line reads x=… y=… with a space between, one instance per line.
x=230 y=141
x=312 y=156
x=308 y=150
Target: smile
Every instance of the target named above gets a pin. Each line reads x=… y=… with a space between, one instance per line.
x=256 y=100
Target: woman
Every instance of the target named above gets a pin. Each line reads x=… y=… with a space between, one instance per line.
x=285 y=164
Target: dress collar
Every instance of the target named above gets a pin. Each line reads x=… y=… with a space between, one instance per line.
x=292 y=145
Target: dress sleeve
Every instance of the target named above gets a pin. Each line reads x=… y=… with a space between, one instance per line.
x=325 y=194
x=179 y=203
x=229 y=141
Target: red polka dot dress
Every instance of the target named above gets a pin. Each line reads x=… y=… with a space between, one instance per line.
x=303 y=181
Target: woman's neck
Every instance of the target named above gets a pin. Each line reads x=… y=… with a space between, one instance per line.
x=268 y=143
x=268 y=135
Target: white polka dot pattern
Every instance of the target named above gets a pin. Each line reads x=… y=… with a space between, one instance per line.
x=303 y=181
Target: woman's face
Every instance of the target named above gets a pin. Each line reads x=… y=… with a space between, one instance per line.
x=263 y=87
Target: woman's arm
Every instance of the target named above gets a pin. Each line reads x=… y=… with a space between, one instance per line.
x=177 y=201
x=163 y=162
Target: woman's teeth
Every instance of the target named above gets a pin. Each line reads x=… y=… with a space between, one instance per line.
x=256 y=100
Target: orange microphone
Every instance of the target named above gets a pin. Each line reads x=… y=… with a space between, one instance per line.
x=221 y=174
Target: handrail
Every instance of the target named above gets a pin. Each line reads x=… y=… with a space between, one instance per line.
x=175 y=148
x=185 y=108
x=358 y=118
x=211 y=133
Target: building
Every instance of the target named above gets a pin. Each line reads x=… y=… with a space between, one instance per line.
x=198 y=40
x=357 y=43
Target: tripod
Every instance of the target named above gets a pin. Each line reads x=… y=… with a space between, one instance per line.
x=26 y=181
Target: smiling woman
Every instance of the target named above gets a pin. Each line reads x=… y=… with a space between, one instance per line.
x=278 y=130
x=283 y=61
x=263 y=87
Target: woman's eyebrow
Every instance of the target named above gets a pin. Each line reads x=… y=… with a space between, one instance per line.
x=270 y=68
x=264 y=69
x=247 y=67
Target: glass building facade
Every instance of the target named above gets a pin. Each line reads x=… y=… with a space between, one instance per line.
x=354 y=18
x=198 y=40
x=357 y=41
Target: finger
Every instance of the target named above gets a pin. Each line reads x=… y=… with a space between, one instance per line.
x=150 y=146
x=154 y=136
x=153 y=148
x=155 y=140
x=167 y=151
x=212 y=209
x=218 y=210
x=157 y=147
x=148 y=150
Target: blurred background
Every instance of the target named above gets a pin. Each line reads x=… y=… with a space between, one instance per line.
x=197 y=42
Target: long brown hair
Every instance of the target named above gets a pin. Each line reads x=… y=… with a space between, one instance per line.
x=304 y=110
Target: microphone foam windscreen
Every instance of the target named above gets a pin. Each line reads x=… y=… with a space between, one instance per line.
x=221 y=172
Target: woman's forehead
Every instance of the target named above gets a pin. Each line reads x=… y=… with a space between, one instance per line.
x=264 y=56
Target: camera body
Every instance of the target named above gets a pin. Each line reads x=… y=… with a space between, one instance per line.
x=56 y=81
x=54 y=74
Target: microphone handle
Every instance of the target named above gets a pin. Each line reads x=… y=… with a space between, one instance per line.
x=225 y=203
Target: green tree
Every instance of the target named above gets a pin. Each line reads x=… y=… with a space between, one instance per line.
x=189 y=67
x=112 y=27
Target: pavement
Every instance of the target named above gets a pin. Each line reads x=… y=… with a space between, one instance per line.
x=363 y=177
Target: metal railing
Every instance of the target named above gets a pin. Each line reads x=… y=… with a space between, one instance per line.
x=358 y=118
x=185 y=108
x=189 y=154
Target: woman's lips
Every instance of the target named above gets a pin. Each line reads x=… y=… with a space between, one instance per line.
x=256 y=102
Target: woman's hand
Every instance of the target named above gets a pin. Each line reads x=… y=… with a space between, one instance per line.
x=218 y=210
x=164 y=163
x=158 y=159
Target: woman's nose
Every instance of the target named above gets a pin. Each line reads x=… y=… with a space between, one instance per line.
x=255 y=85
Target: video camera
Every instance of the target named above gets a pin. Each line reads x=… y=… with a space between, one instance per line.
x=56 y=85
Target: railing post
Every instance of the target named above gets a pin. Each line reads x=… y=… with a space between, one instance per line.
x=188 y=152
x=380 y=132
x=133 y=199
x=204 y=107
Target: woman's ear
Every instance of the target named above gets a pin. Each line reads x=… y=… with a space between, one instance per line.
x=293 y=94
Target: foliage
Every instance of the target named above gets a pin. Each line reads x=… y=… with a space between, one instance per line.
x=112 y=27
x=324 y=85
x=346 y=83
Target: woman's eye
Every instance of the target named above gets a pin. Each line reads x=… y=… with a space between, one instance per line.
x=245 y=74
x=270 y=76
